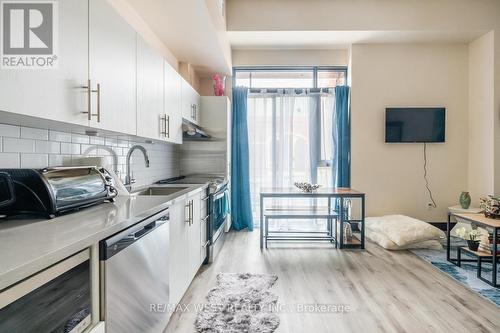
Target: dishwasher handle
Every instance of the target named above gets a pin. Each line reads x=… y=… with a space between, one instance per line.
x=114 y=244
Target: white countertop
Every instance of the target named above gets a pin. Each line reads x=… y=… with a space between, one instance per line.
x=30 y=245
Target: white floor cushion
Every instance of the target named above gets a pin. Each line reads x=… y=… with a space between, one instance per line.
x=403 y=230
x=386 y=243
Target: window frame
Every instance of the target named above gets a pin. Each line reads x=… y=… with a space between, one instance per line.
x=313 y=69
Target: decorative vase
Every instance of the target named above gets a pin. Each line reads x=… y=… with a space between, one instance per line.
x=473 y=244
x=348 y=231
x=465 y=200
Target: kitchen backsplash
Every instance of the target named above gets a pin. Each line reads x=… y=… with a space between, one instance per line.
x=25 y=147
x=206 y=157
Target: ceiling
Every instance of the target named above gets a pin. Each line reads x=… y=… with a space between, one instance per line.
x=340 y=39
x=189 y=31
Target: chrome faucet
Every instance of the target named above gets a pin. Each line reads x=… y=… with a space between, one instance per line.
x=128 y=179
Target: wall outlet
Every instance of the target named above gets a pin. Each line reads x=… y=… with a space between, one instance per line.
x=430 y=206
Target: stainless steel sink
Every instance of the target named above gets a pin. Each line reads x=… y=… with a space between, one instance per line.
x=160 y=190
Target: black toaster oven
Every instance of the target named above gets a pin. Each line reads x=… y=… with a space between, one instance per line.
x=51 y=191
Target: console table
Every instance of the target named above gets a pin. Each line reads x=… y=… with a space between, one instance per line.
x=487 y=223
x=337 y=214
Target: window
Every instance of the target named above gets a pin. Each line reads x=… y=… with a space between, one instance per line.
x=290 y=134
x=290 y=77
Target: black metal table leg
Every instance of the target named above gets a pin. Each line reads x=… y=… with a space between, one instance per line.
x=459 y=256
x=261 y=220
x=479 y=266
x=341 y=220
x=448 y=237
x=494 y=263
x=266 y=231
x=363 y=222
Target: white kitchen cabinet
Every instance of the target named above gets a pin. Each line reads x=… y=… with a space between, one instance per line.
x=178 y=274
x=194 y=235
x=151 y=121
x=54 y=94
x=173 y=103
x=112 y=61
x=190 y=103
x=185 y=244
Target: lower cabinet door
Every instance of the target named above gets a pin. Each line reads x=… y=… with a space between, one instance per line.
x=194 y=235
x=179 y=280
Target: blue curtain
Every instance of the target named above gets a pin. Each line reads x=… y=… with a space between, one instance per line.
x=342 y=138
x=241 y=210
x=314 y=137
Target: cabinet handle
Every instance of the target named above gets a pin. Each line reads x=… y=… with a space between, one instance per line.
x=167 y=126
x=163 y=131
x=188 y=217
x=191 y=212
x=98 y=91
x=89 y=101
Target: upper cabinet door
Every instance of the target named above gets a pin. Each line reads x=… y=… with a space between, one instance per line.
x=54 y=94
x=112 y=67
x=190 y=100
x=173 y=105
x=151 y=121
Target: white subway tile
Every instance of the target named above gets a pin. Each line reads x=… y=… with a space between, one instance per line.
x=9 y=160
x=10 y=131
x=111 y=142
x=1 y=145
x=47 y=147
x=95 y=140
x=59 y=136
x=13 y=145
x=34 y=160
x=123 y=143
x=70 y=148
x=34 y=133
x=79 y=138
x=59 y=160
x=85 y=150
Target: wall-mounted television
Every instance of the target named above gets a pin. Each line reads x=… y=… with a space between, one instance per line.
x=415 y=124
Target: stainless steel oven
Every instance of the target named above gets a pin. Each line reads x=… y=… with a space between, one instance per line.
x=216 y=216
x=57 y=299
x=219 y=217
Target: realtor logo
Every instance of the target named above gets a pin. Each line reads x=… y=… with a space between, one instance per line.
x=29 y=34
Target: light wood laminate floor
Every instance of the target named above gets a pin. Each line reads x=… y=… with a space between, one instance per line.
x=386 y=291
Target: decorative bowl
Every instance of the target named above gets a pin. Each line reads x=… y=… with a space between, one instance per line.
x=307 y=187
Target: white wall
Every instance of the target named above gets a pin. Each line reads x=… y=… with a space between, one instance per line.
x=290 y=57
x=481 y=173
x=392 y=174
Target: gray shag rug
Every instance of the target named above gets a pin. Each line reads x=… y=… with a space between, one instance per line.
x=240 y=303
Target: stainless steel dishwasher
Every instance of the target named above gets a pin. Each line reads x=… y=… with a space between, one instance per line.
x=134 y=277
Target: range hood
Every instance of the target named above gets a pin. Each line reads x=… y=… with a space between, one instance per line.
x=192 y=131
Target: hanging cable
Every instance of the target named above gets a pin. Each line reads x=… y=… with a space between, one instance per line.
x=433 y=202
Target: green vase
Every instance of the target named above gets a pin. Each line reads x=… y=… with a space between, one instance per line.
x=465 y=200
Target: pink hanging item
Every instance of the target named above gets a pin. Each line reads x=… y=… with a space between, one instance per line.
x=219 y=83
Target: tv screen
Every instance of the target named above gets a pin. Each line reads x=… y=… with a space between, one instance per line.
x=415 y=124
